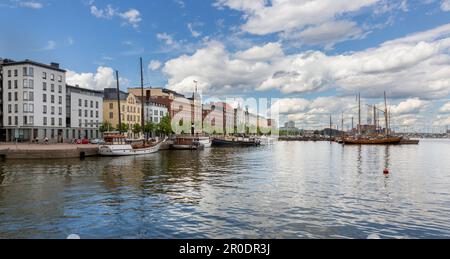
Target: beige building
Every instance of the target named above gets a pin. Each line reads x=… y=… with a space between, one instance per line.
x=130 y=110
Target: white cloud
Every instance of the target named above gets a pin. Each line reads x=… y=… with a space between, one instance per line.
x=194 y=33
x=445 y=108
x=103 y=78
x=445 y=5
x=410 y=106
x=166 y=38
x=32 y=5
x=131 y=17
x=327 y=34
x=154 y=65
x=414 y=66
x=51 y=45
x=289 y=15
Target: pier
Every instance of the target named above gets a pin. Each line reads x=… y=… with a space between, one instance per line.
x=41 y=151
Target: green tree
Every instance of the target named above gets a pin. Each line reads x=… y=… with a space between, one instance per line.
x=125 y=127
x=106 y=126
x=137 y=128
x=165 y=126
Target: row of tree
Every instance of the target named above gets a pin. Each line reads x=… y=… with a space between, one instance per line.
x=150 y=128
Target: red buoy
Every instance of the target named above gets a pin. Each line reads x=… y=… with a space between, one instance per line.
x=386 y=171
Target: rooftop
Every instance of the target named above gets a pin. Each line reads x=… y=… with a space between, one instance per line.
x=53 y=66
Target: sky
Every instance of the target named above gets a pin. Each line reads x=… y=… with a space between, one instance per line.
x=311 y=57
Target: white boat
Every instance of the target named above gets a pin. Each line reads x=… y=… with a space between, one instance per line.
x=191 y=142
x=116 y=146
x=267 y=140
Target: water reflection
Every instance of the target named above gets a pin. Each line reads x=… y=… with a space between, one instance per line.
x=290 y=190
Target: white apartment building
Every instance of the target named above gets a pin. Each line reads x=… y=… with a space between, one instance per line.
x=84 y=113
x=34 y=102
x=154 y=112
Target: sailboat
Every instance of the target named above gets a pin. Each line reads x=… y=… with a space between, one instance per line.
x=373 y=140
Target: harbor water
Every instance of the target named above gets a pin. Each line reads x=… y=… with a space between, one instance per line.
x=288 y=190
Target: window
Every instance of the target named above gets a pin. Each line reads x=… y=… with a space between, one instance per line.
x=111 y=115
x=80 y=102
x=31 y=120
x=96 y=114
x=111 y=106
x=9 y=73
x=31 y=96
x=96 y=105
x=52 y=88
x=31 y=84
x=85 y=103
x=31 y=71
x=53 y=121
x=59 y=78
x=16 y=84
x=60 y=110
x=25 y=83
x=161 y=113
x=52 y=98
x=80 y=113
x=25 y=119
x=44 y=109
x=79 y=123
x=25 y=108
x=44 y=75
x=85 y=113
x=16 y=96
x=60 y=122
x=44 y=98
x=45 y=121
x=156 y=113
x=9 y=84
x=156 y=120
x=16 y=120
x=52 y=77
x=9 y=97
x=53 y=110
x=92 y=104
x=31 y=108
x=60 y=100
x=25 y=96
x=9 y=108
x=44 y=86
x=9 y=120
x=92 y=114
x=16 y=108
x=24 y=71
x=60 y=89
x=16 y=72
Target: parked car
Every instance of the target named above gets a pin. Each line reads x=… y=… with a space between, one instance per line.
x=97 y=141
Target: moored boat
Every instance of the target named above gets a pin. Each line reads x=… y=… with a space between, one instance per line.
x=372 y=141
x=407 y=141
x=236 y=142
x=191 y=142
x=116 y=145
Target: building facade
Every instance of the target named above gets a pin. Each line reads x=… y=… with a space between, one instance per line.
x=33 y=100
x=130 y=109
x=84 y=113
x=154 y=112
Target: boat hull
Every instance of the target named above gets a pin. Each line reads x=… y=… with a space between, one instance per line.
x=127 y=150
x=230 y=143
x=381 y=141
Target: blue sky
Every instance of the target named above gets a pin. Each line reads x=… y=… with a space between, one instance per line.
x=314 y=55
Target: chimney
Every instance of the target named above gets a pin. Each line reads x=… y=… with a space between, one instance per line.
x=55 y=65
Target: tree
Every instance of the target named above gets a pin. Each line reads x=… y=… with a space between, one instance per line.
x=124 y=128
x=165 y=126
x=137 y=128
x=106 y=126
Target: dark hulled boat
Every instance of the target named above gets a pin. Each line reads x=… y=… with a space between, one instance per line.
x=372 y=141
x=236 y=142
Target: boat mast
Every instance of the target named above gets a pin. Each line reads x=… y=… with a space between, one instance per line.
x=142 y=100
x=331 y=125
x=359 y=113
x=118 y=102
x=386 y=114
x=342 y=123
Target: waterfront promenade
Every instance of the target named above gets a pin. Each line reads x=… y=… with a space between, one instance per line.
x=42 y=151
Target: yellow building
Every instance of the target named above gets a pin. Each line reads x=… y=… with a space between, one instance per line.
x=130 y=110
